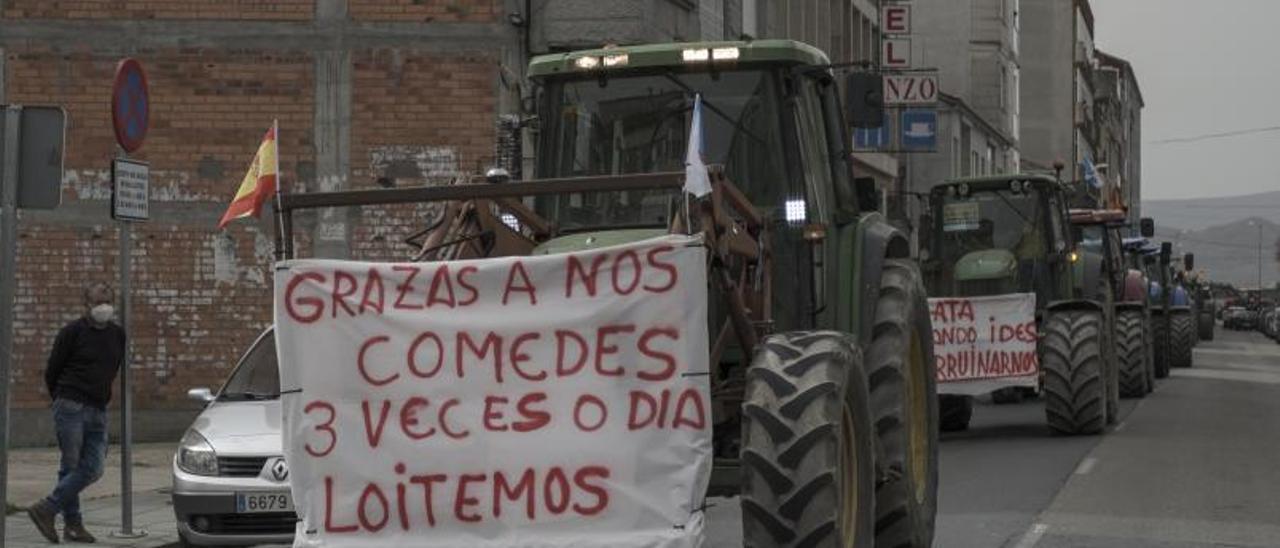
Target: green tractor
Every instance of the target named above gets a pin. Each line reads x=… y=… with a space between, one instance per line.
x=1011 y=234
x=822 y=383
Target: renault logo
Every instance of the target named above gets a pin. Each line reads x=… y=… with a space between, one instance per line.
x=280 y=470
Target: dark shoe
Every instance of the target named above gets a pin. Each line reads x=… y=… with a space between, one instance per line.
x=75 y=532
x=43 y=516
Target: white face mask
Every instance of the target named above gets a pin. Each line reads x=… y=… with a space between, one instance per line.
x=102 y=313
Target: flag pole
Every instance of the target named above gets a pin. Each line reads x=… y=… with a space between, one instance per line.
x=282 y=247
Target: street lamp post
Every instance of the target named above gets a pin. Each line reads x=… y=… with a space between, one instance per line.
x=1259 y=225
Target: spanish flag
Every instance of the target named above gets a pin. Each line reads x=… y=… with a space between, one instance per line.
x=258 y=185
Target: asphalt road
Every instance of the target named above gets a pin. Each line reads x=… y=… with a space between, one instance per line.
x=1196 y=464
x=1192 y=465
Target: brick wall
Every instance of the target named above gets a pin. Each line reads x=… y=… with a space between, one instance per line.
x=416 y=118
x=199 y=294
x=417 y=114
x=291 y=10
x=471 y=11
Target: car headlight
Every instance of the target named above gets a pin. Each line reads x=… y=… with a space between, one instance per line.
x=196 y=455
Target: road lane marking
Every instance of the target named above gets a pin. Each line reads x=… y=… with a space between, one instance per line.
x=1086 y=466
x=1228 y=375
x=1033 y=536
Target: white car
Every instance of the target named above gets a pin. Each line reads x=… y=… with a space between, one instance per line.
x=230 y=480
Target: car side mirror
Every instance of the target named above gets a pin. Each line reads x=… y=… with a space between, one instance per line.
x=202 y=395
x=1147 y=227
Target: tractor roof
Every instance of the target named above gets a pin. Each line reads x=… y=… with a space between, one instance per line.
x=677 y=54
x=998 y=182
x=1109 y=217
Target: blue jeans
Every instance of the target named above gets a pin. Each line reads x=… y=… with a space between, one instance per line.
x=82 y=437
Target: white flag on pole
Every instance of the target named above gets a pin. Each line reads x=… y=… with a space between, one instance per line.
x=696 y=180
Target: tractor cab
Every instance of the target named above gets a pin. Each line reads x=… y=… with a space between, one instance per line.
x=999 y=235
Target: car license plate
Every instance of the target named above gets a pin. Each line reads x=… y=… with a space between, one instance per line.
x=253 y=503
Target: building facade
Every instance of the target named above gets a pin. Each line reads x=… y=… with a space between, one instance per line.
x=1057 y=86
x=974 y=44
x=366 y=92
x=1119 y=129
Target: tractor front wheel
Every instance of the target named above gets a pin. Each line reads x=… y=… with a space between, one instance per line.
x=1163 y=350
x=1074 y=378
x=1131 y=352
x=1183 y=335
x=954 y=412
x=1206 y=326
x=904 y=403
x=808 y=449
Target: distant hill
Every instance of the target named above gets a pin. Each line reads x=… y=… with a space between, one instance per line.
x=1228 y=252
x=1202 y=213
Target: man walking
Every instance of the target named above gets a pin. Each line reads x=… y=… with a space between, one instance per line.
x=82 y=366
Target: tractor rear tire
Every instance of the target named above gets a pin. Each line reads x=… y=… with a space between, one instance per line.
x=1206 y=326
x=808 y=448
x=904 y=403
x=1007 y=396
x=1182 y=339
x=1163 y=350
x=1074 y=382
x=954 y=412
x=1131 y=354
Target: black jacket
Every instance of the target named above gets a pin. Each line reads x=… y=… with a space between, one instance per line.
x=84 y=362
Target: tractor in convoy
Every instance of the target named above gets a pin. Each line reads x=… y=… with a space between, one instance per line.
x=1008 y=239
x=1106 y=269
x=1173 y=320
x=1202 y=304
x=822 y=368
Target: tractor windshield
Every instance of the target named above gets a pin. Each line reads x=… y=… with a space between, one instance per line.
x=990 y=242
x=640 y=124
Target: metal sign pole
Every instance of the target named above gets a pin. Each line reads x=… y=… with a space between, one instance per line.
x=126 y=386
x=8 y=264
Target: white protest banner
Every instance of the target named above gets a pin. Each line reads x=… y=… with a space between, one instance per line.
x=557 y=400
x=982 y=344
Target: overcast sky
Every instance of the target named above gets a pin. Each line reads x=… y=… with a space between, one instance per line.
x=1204 y=67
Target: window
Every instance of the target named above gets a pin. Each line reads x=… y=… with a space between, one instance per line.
x=1004 y=86
x=258 y=375
x=956 y=159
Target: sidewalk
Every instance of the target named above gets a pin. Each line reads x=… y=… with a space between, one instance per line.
x=31 y=476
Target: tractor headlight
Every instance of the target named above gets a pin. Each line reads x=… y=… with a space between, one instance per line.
x=586 y=63
x=196 y=455
x=696 y=55
x=795 y=211
x=964 y=189
x=1074 y=256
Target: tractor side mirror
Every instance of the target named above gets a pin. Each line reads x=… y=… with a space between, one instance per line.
x=1147 y=227
x=867 y=193
x=865 y=100
x=1189 y=262
x=1166 y=253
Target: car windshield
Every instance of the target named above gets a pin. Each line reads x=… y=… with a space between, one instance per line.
x=640 y=124
x=258 y=375
x=992 y=220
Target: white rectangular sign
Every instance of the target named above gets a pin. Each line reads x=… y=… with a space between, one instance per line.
x=895 y=19
x=557 y=400
x=895 y=53
x=911 y=89
x=981 y=344
x=130 y=198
